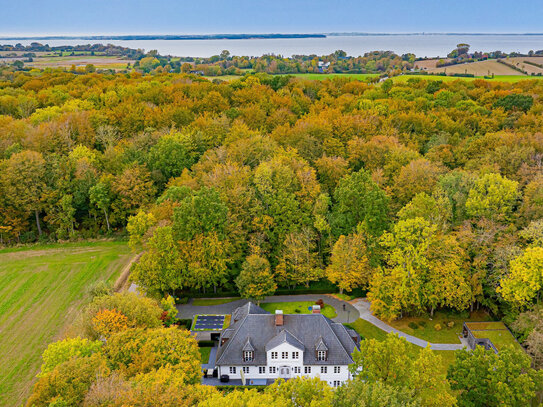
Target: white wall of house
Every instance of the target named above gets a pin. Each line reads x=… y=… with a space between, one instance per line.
x=288 y=364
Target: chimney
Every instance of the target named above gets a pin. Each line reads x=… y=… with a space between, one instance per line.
x=316 y=309
x=278 y=317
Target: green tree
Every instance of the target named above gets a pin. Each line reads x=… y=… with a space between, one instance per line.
x=484 y=378
x=137 y=227
x=493 y=197
x=63 y=350
x=525 y=279
x=255 y=280
x=358 y=199
x=101 y=196
x=358 y=393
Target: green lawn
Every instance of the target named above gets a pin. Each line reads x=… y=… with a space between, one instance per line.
x=322 y=76
x=301 y=306
x=426 y=328
x=213 y=301
x=370 y=331
x=496 y=331
x=204 y=353
x=41 y=288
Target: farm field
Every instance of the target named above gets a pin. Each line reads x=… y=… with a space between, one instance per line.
x=310 y=76
x=479 y=68
x=428 y=64
x=497 y=78
x=531 y=69
x=40 y=290
x=68 y=61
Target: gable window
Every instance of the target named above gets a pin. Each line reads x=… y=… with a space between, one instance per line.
x=261 y=369
x=232 y=370
x=324 y=369
x=295 y=355
x=307 y=369
x=273 y=369
x=284 y=355
x=337 y=369
x=321 y=355
x=274 y=355
x=248 y=355
x=245 y=369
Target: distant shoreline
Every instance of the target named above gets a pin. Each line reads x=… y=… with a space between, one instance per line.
x=140 y=37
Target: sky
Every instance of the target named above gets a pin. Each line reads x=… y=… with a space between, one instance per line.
x=103 y=17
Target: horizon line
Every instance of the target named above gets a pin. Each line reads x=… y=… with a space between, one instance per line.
x=199 y=36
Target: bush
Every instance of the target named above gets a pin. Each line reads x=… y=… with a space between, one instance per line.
x=437 y=327
x=297 y=310
x=206 y=344
x=422 y=324
x=450 y=324
x=187 y=323
x=413 y=325
x=181 y=300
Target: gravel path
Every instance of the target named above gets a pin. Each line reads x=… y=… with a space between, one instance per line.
x=363 y=307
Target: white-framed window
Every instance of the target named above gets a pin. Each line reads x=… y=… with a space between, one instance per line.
x=248 y=355
x=337 y=383
x=273 y=369
x=307 y=369
x=297 y=369
x=232 y=370
x=295 y=355
x=261 y=369
x=284 y=355
x=245 y=369
x=274 y=355
x=324 y=369
x=337 y=369
x=321 y=355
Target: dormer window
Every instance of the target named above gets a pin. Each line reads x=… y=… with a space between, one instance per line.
x=321 y=350
x=321 y=355
x=248 y=355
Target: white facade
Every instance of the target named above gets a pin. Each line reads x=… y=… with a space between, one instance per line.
x=286 y=361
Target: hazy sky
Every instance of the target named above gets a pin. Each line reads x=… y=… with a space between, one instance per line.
x=46 y=17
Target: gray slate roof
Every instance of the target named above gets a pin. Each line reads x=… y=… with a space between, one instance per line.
x=282 y=337
x=303 y=331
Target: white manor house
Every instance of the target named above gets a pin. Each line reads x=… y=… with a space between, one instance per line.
x=260 y=347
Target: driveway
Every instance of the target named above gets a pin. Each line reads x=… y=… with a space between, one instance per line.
x=350 y=314
x=363 y=307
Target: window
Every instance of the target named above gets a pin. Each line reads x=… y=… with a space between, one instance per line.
x=337 y=369
x=297 y=369
x=274 y=355
x=248 y=355
x=284 y=355
x=273 y=369
x=295 y=355
x=232 y=370
x=321 y=355
x=307 y=369
x=245 y=369
x=262 y=369
x=324 y=369
x=337 y=383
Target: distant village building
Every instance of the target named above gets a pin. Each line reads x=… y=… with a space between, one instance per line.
x=260 y=347
x=323 y=66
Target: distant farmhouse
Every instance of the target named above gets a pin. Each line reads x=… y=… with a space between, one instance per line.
x=260 y=347
x=323 y=66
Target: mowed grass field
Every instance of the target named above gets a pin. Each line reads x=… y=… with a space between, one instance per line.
x=497 y=78
x=41 y=289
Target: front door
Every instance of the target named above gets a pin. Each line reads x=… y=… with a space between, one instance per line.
x=284 y=372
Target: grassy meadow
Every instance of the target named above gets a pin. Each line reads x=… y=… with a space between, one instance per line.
x=41 y=288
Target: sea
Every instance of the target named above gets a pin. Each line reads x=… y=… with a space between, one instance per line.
x=422 y=45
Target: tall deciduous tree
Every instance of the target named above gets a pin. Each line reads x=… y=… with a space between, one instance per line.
x=349 y=265
x=493 y=197
x=525 y=279
x=255 y=279
x=487 y=379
